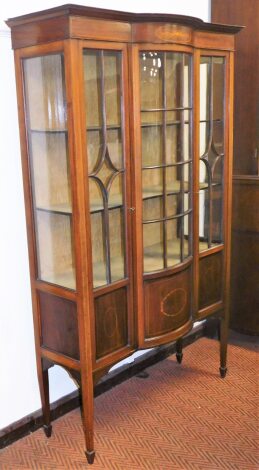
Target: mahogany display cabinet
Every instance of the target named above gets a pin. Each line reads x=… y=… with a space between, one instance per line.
x=126 y=141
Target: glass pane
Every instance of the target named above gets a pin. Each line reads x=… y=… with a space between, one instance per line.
x=173 y=242
x=218 y=137
x=173 y=143
x=218 y=87
x=54 y=248
x=187 y=240
x=97 y=197
x=204 y=137
x=112 y=87
x=152 y=182
x=105 y=153
x=217 y=214
x=91 y=87
x=116 y=191
x=115 y=150
x=150 y=118
x=116 y=222
x=46 y=113
x=153 y=208
x=151 y=79
x=173 y=75
x=205 y=77
x=173 y=204
x=152 y=145
x=50 y=169
x=204 y=212
x=153 y=247
x=98 y=249
x=187 y=81
x=45 y=92
x=212 y=85
x=94 y=148
x=187 y=138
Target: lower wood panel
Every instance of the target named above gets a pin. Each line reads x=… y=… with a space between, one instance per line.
x=167 y=303
x=245 y=282
x=111 y=322
x=210 y=279
x=59 y=328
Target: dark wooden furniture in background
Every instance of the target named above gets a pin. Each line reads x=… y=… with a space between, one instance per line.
x=245 y=235
x=126 y=139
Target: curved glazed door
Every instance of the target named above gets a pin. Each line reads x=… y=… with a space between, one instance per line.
x=213 y=175
x=163 y=108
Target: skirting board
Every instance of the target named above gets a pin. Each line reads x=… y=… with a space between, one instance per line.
x=34 y=421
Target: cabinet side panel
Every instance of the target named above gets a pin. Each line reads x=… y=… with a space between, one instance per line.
x=111 y=322
x=59 y=329
x=211 y=277
x=167 y=303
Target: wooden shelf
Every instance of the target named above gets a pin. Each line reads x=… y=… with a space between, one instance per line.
x=66 y=279
x=49 y=131
x=153 y=260
x=111 y=127
x=63 y=208
x=203 y=245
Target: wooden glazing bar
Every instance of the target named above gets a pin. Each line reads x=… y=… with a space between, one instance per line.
x=166 y=165
x=124 y=188
x=190 y=146
x=172 y=217
x=106 y=228
x=209 y=146
x=179 y=108
x=164 y=160
x=181 y=221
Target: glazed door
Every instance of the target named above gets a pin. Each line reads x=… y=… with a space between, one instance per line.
x=107 y=146
x=163 y=111
x=213 y=177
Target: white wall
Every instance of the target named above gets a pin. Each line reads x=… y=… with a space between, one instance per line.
x=19 y=394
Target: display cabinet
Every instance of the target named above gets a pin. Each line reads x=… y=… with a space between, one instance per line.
x=126 y=139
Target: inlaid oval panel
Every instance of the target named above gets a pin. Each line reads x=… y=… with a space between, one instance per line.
x=167 y=303
x=174 y=302
x=111 y=322
x=210 y=281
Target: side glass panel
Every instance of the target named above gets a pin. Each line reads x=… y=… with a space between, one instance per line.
x=46 y=115
x=105 y=152
x=166 y=116
x=212 y=87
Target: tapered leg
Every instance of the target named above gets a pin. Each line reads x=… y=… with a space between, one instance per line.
x=43 y=376
x=223 y=347
x=179 y=350
x=88 y=416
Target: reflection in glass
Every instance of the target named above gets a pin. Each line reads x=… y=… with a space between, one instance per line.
x=212 y=89
x=105 y=153
x=151 y=79
x=166 y=116
x=46 y=113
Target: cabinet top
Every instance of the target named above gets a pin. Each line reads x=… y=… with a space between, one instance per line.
x=101 y=13
x=80 y=22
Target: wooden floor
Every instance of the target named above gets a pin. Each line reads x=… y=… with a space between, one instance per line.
x=180 y=417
